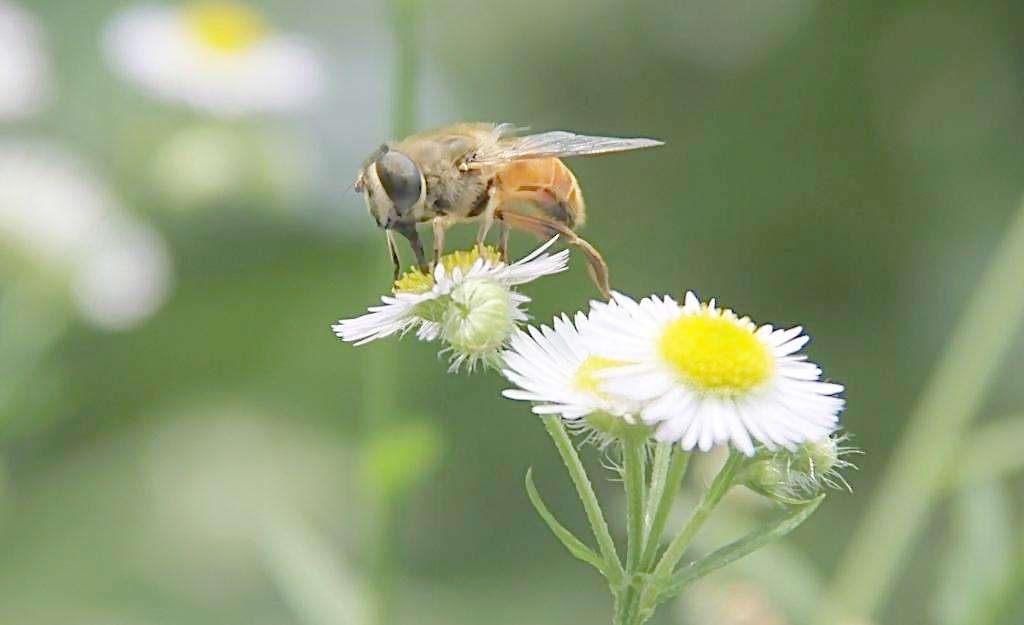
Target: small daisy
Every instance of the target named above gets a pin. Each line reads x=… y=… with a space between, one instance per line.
x=221 y=56
x=707 y=376
x=553 y=367
x=24 y=68
x=468 y=302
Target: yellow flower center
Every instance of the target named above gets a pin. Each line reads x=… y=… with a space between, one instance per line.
x=225 y=26
x=415 y=281
x=716 y=352
x=586 y=379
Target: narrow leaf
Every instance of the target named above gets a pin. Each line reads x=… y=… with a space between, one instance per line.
x=740 y=548
x=575 y=546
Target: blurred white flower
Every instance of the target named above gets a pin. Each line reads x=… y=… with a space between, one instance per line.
x=215 y=475
x=58 y=216
x=219 y=56
x=24 y=68
x=707 y=376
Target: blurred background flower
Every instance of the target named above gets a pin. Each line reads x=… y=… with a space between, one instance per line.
x=62 y=223
x=24 y=64
x=221 y=56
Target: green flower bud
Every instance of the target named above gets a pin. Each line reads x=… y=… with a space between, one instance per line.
x=798 y=476
x=478 y=318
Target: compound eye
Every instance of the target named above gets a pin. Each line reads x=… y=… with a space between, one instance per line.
x=401 y=180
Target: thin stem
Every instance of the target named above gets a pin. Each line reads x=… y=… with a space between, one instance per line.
x=633 y=467
x=710 y=500
x=588 y=498
x=380 y=400
x=934 y=434
x=381 y=367
x=633 y=477
x=741 y=548
x=665 y=482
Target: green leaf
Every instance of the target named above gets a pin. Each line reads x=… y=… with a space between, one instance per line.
x=980 y=552
x=575 y=546
x=738 y=549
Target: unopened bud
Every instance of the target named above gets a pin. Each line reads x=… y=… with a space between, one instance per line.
x=798 y=476
x=478 y=319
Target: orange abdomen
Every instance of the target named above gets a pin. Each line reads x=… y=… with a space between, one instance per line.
x=541 y=185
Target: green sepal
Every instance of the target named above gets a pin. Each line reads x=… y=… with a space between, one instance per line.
x=575 y=546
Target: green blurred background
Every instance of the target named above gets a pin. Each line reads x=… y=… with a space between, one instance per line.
x=845 y=166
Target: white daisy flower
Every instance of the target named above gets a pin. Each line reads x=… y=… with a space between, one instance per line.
x=468 y=302
x=707 y=376
x=554 y=368
x=60 y=220
x=220 y=56
x=24 y=68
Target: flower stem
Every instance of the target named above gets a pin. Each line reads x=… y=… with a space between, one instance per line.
x=588 y=498
x=666 y=565
x=669 y=469
x=380 y=399
x=634 y=480
x=918 y=467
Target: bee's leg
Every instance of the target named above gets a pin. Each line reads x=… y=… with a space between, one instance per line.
x=486 y=220
x=439 y=229
x=409 y=232
x=503 y=241
x=547 y=227
x=393 y=248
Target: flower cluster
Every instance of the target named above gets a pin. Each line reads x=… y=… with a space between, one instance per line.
x=697 y=374
x=468 y=302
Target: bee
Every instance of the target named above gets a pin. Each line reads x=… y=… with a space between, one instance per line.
x=483 y=172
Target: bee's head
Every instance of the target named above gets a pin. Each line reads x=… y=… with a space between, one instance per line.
x=392 y=185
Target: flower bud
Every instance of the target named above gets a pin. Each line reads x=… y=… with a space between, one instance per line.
x=478 y=318
x=798 y=476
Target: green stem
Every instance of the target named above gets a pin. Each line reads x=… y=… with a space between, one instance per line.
x=633 y=457
x=666 y=565
x=588 y=498
x=934 y=434
x=670 y=464
x=741 y=548
x=379 y=397
x=633 y=478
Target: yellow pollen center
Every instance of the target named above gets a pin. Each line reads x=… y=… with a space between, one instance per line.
x=225 y=26
x=415 y=281
x=586 y=379
x=716 y=352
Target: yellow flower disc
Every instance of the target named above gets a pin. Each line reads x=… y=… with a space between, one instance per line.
x=716 y=352
x=227 y=27
x=415 y=281
x=586 y=379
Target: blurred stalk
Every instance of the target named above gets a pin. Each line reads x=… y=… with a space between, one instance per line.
x=381 y=373
x=920 y=464
x=380 y=403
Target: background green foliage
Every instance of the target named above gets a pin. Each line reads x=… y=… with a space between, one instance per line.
x=845 y=166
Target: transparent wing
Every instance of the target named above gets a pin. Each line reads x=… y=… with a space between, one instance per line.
x=557 y=143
